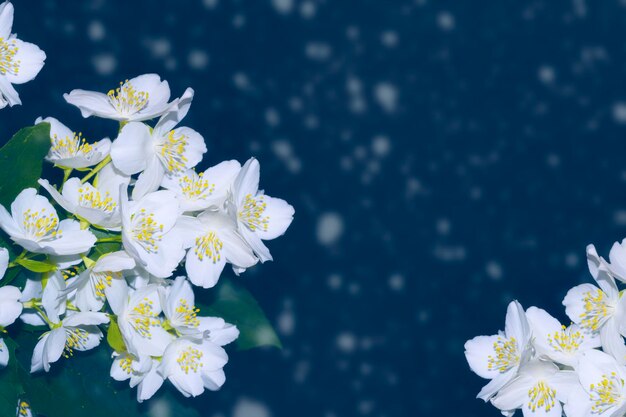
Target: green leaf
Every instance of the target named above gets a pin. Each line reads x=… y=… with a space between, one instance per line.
x=114 y=337
x=36 y=266
x=21 y=161
x=103 y=248
x=11 y=388
x=236 y=305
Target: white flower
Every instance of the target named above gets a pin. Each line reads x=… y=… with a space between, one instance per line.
x=561 y=344
x=216 y=241
x=599 y=310
x=55 y=295
x=205 y=190
x=70 y=150
x=141 y=371
x=34 y=225
x=538 y=390
x=4 y=354
x=23 y=409
x=499 y=357
x=10 y=306
x=140 y=324
x=260 y=217
x=158 y=151
x=601 y=392
x=20 y=61
x=141 y=98
x=99 y=204
x=4 y=261
x=180 y=310
x=192 y=365
x=78 y=331
x=103 y=281
x=149 y=234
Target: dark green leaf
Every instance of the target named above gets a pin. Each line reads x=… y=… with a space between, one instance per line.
x=21 y=161
x=236 y=305
x=10 y=382
x=36 y=266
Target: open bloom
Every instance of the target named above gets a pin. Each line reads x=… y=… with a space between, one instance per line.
x=70 y=150
x=599 y=310
x=103 y=281
x=499 y=357
x=20 y=61
x=259 y=216
x=192 y=365
x=34 y=225
x=601 y=391
x=10 y=306
x=142 y=373
x=205 y=190
x=181 y=314
x=78 y=331
x=140 y=324
x=158 y=151
x=4 y=261
x=538 y=390
x=216 y=242
x=99 y=204
x=149 y=234
x=141 y=98
x=561 y=344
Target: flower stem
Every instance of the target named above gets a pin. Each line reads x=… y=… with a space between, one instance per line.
x=96 y=169
x=117 y=239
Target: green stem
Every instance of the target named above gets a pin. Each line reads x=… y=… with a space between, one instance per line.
x=43 y=315
x=96 y=169
x=116 y=239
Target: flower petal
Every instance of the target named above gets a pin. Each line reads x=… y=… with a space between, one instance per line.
x=30 y=59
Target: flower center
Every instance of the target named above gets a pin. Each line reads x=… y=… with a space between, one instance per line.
x=76 y=339
x=70 y=146
x=143 y=318
x=39 y=225
x=189 y=359
x=188 y=313
x=566 y=340
x=8 y=64
x=252 y=213
x=126 y=364
x=23 y=410
x=210 y=246
x=146 y=230
x=126 y=100
x=103 y=280
x=195 y=187
x=597 y=309
x=171 y=151
x=506 y=355
x=541 y=396
x=606 y=394
x=92 y=198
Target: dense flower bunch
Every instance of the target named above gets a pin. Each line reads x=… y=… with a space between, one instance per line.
x=549 y=369
x=128 y=214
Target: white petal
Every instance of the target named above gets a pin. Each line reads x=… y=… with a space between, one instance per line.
x=213 y=380
x=4 y=261
x=132 y=149
x=53 y=349
x=150 y=384
x=158 y=95
x=175 y=114
x=149 y=180
x=514 y=394
x=255 y=243
x=6 y=19
x=492 y=388
x=31 y=60
x=7 y=91
x=85 y=318
x=516 y=324
x=92 y=103
x=280 y=216
x=612 y=341
x=117 y=372
x=114 y=262
x=72 y=183
x=477 y=352
x=10 y=307
x=72 y=240
x=574 y=301
x=247 y=181
x=36 y=362
x=204 y=273
x=4 y=354
x=578 y=403
x=617 y=257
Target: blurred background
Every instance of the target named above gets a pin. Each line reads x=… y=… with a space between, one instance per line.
x=443 y=157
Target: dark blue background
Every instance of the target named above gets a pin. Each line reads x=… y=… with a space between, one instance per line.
x=443 y=157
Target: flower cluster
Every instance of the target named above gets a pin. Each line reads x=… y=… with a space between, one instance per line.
x=132 y=212
x=549 y=369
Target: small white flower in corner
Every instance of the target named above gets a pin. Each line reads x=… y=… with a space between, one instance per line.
x=4 y=354
x=539 y=389
x=34 y=225
x=10 y=305
x=141 y=98
x=499 y=357
x=142 y=373
x=159 y=151
x=69 y=149
x=99 y=204
x=192 y=365
x=259 y=216
x=20 y=61
x=78 y=331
